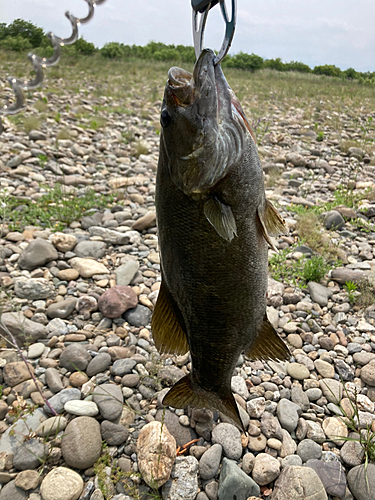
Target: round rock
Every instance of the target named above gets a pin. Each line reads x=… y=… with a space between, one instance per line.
x=210 y=462
x=75 y=357
x=298 y=371
x=116 y=300
x=61 y=484
x=81 y=444
x=229 y=437
x=266 y=469
x=81 y=408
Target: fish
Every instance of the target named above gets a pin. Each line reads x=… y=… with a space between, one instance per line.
x=214 y=228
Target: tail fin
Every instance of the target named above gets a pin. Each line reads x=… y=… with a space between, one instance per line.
x=184 y=393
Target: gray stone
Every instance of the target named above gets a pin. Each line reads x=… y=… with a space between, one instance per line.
x=37 y=135
x=20 y=430
x=271 y=427
x=238 y=386
x=331 y=474
x=61 y=309
x=58 y=400
x=234 y=483
x=288 y=414
x=94 y=249
x=36 y=254
x=181 y=434
x=308 y=449
x=81 y=408
x=300 y=398
x=362 y=481
x=75 y=357
x=98 y=364
x=183 y=484
x=266 y=469
x=318 y=293
x=352 y=452
x=291 y=460
x=126 y=272
x=113 y=434
x=229 y=437
x=138 y=316
x=23 y=329
x=29 y=455
x=332 y=389
x=62 y=484
x=33 y=288
x=35 y=350
x=298 y=483
x=53 y=380
x=51 y=426
x=109 y=235
x=109 y=399
x=210 y=462
x=122 y=367
x=11 y=492
x=334 y=220
x=81 y=444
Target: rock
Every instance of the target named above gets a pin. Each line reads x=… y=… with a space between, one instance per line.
x=61 y=484
x=58 y=400
x=122 y=367
x=81 y=444
x=361 y=480
x=15 y=373
x=116 y=300
x=326 y=370
x=298 y=483
x=334 y=220
x=21 y=327
x=314 y=431
x=52 y=426
x=183 y=484
x=20 y=431
x=300 y=398
x=181 y=433
x=81 y=408
x=94 y=249
x=368 y=374
x=113 y=434
x=11 y=492
x=86 y=305
x=35 y=350
x=37 y=253
x=75 y=357
x=210 y=462
x=156 y=452
x=29 y=455
x=139 y=316
x=145 y=222
x=266 y=469
x=53 y=380
x=238 y=386
x=64 y=242
x=229 y=437
x=33 y=288
x=333 y=428
x=255 y=407
x=332 y=475
x=288 y=414
x=98 y=364
x=126 y=272
x=289 y=445
x=309 y=449
x=109 y=399
x=110 y=236
x=298 y=371
x=234 y=483
x=332 y=389
x=344 y=274
x=61 y=309
x=352 y=452
x=88 y=268
x=318 y=293
x=27 y=480
x=271 y=427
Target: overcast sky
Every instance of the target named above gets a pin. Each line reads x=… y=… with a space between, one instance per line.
x=340 y=32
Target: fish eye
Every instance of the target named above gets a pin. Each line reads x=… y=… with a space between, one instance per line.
x=165 y=118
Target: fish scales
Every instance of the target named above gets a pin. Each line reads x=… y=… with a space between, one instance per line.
x=213 y=242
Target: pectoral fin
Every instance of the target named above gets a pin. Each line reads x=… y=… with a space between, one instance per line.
x=184 y=393
x=271 y=222
x=221 y=217
x=268 y=345
x=167 y=324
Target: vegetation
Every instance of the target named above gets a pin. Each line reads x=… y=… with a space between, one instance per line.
x=21 y=36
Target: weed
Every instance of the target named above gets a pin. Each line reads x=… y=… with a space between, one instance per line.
x=140 y=148
x=41 y=105
x=315 y=269
x=42 y=160
x=63 y=134
x=272 y=178
x=57 y=117
x=350 y=288
x=55 y=209
x=367 y=294
x=31 y=123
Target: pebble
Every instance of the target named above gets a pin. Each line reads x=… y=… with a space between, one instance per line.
x=298 y=371
x=229 y=437
x=81 y=444
x=61 y=484
x=183 y=484
x=210 y=462
x=235 y=483
x=309 y=485
x=266 y=469
x=361 y=481
x=109 y=399
x=81 y=408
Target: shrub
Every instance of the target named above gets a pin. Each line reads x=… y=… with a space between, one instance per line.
x=298 y=66
x=328 y=70
x=112 y=50
x=275 y=64
x=350 y=73
x=83 y=47
x=17 y=43
x=242 y=60
x=23 y=29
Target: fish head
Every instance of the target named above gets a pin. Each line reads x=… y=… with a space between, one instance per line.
x=202 y=130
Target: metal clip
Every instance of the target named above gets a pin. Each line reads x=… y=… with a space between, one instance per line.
x=39 y=63
x=198 y=31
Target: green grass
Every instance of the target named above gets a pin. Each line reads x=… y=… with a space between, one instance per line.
x=55 y=209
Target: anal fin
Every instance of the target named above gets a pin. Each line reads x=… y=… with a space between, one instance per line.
x=221 y=217
x=167 y=324
x=184 y=393
x=268 y=345
x=271 y=222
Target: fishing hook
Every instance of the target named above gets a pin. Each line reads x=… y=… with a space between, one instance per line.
x=39 y=63
x=199 y=28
